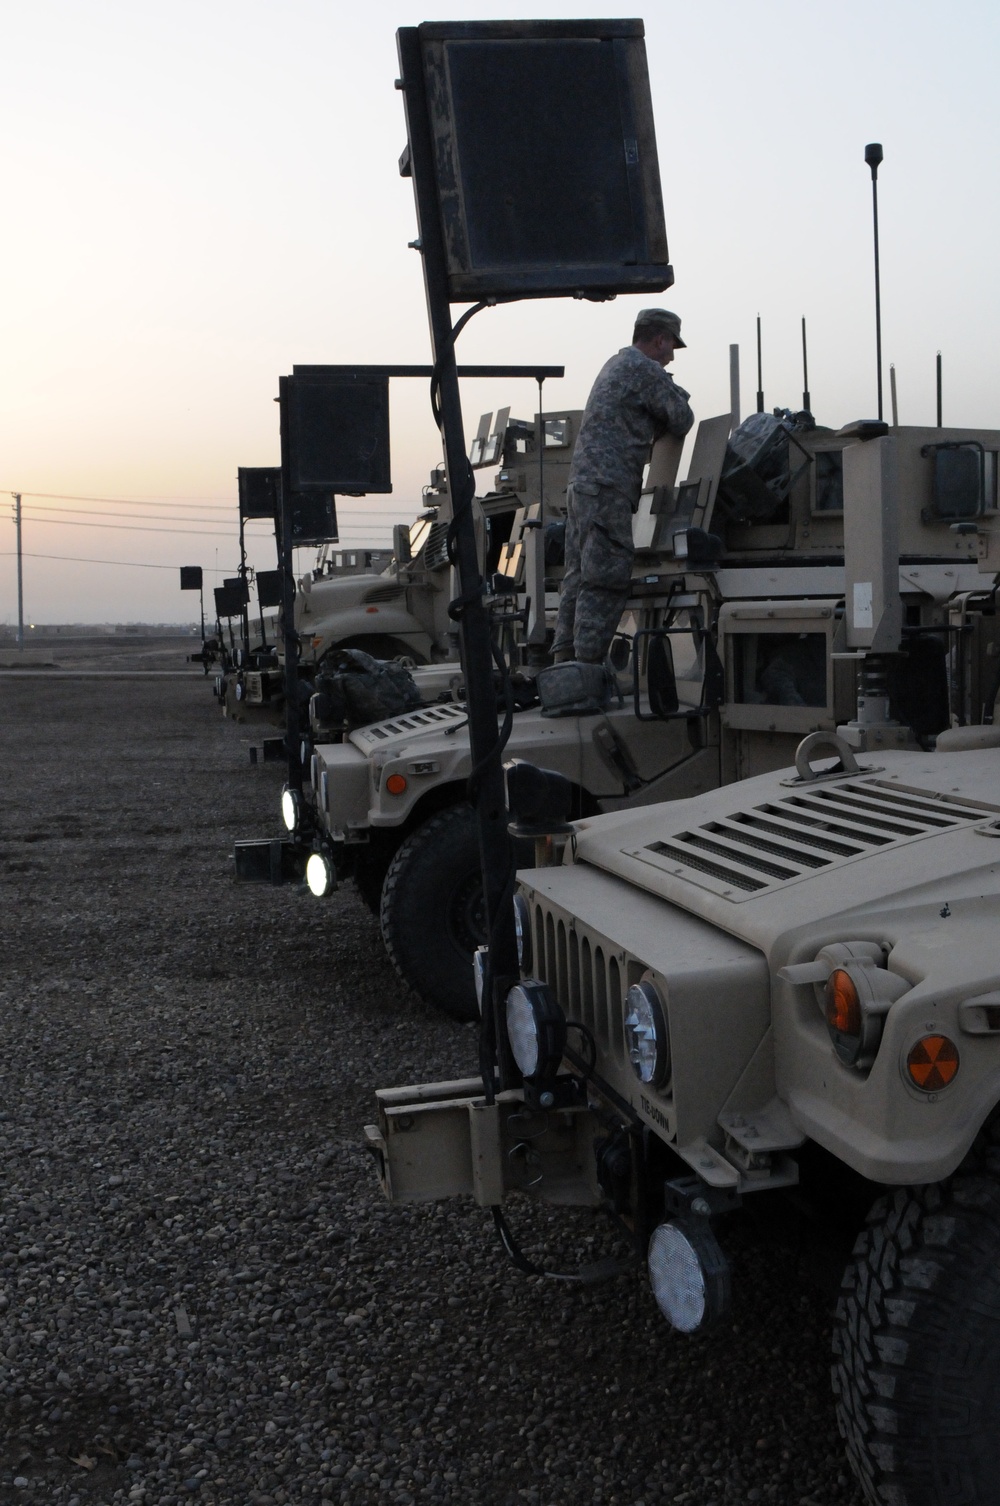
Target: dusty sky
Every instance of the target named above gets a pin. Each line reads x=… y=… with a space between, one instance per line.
x=199 y=195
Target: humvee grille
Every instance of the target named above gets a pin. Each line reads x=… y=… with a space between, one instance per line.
x=806 y=830
x=585 y=977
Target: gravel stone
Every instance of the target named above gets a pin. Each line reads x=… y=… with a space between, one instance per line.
x=185 y=1069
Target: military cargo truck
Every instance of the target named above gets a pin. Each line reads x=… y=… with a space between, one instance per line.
x=730 y=654
x=790 y=983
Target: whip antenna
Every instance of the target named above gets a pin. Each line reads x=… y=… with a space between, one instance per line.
x=873 y=156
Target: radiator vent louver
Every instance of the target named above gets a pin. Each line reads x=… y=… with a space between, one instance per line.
x=427 y=718
x=758 y=850
x=436 y=548
x=383 y=593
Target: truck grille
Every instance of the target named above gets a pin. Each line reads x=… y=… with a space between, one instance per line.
x=587 y=977
x=757 y=850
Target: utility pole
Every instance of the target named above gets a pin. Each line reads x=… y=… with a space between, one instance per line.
x=20 y=572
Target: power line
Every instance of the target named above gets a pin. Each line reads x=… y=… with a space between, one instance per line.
x=216 y=503
x=73 y=559
x=136 y=528
x=148 y=517
x=192 y=526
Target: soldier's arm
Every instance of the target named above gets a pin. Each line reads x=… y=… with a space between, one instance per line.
x=669 y=405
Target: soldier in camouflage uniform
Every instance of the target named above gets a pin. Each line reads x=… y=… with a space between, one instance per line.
x=632 y=402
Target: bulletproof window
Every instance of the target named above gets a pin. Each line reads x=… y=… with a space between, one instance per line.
x=419 y=532
x=779 y=669
x=958 y=485
x=556 y=433
x=828 y=481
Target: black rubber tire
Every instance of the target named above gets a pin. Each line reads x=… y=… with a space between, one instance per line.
x=432 y=911
x=369 y=877
x=916 y=1344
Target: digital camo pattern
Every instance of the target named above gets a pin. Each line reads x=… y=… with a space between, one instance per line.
x=632 y=402
x=598 y=569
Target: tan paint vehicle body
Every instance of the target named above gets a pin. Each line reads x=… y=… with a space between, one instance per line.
x=790 y=982
x=778 y=590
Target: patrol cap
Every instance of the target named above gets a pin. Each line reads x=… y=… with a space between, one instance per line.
x=665 y=320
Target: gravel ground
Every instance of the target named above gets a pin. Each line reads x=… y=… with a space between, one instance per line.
x=202 y=1293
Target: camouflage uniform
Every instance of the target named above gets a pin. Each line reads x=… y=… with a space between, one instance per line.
x=632 y=402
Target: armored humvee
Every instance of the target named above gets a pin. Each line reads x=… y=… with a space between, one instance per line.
x=790 y=982
x=729 y=656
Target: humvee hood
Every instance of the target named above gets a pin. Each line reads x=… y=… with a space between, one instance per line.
x=763 y=856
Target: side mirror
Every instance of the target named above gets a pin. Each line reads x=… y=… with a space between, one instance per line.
x=661 y=682
x=401 y=544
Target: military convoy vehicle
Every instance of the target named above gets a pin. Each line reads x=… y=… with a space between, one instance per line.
x=729 y=655
x=792 y=982
x=397 y=606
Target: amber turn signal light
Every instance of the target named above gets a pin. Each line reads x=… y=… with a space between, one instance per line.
x=396 y=784
x=843 y=1007
x=932 y=1063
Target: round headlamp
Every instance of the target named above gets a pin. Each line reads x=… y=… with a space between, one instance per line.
x=291 y=808
x=536 y=1029
x=688 y=1273
x=320 y=875
x=522 y=929
x=646 y=1036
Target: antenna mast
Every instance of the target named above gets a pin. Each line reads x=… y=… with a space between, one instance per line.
x=873 y=156
x=806 y=399
x=760 y=373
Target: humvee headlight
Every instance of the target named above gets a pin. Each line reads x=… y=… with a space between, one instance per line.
x=536 y=1029
x=688 y=1273
x=291 y=808
x=646 y=1034
x=522 y=929
x=320 y=875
